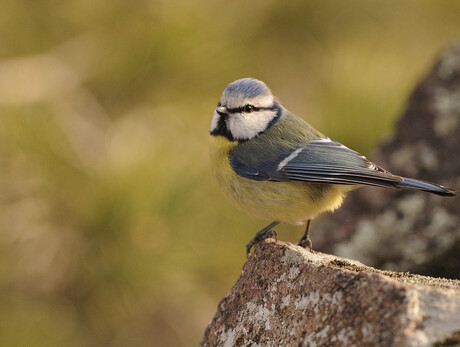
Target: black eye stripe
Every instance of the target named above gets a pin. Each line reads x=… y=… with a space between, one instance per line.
x=254 y=108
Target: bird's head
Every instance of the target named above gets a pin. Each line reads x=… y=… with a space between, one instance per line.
x=246 y=109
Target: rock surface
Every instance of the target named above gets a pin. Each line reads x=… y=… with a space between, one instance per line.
x=289 y=296
x=404 y=230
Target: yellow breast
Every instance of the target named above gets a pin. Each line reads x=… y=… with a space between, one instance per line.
x=288 y=202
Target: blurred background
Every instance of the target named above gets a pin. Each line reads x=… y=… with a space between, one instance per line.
x=112 y=231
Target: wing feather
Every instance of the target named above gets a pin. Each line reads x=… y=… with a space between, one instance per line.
x=320 y=161
x=328 y=161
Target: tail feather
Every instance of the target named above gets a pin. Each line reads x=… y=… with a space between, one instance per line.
x=410 y=183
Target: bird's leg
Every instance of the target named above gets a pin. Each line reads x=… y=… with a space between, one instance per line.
x=262 y=234
x=305 y=241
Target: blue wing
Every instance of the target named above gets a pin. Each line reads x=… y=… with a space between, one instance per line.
x=320 y=161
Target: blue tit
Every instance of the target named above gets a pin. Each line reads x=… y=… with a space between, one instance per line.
x=274 y=165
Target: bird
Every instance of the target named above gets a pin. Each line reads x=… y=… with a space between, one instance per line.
x=275 y=166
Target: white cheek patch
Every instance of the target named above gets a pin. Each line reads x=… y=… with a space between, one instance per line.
x=246 y=126
x=214 y=121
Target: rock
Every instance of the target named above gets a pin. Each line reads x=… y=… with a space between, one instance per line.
x=404 y=230
x=289 y=296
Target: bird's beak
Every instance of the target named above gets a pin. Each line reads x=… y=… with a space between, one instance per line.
x=222 y=110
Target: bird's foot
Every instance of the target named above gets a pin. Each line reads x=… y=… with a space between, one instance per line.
x=259 y=236
x=306 y=243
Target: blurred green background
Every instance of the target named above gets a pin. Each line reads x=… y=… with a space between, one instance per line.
x=112 y=231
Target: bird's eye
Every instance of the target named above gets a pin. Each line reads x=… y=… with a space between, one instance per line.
x=248 y=108
x=219 y=104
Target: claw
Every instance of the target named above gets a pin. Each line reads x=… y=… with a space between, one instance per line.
x=262 y=234
x=306 y=243
x=271 y=234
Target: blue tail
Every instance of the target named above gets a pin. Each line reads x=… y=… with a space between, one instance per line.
x=410 y=183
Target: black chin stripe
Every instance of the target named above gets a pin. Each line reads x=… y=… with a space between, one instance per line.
x=222 y=129
x=254 y=108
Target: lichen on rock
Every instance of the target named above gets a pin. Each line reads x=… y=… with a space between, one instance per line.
x=324 y=300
